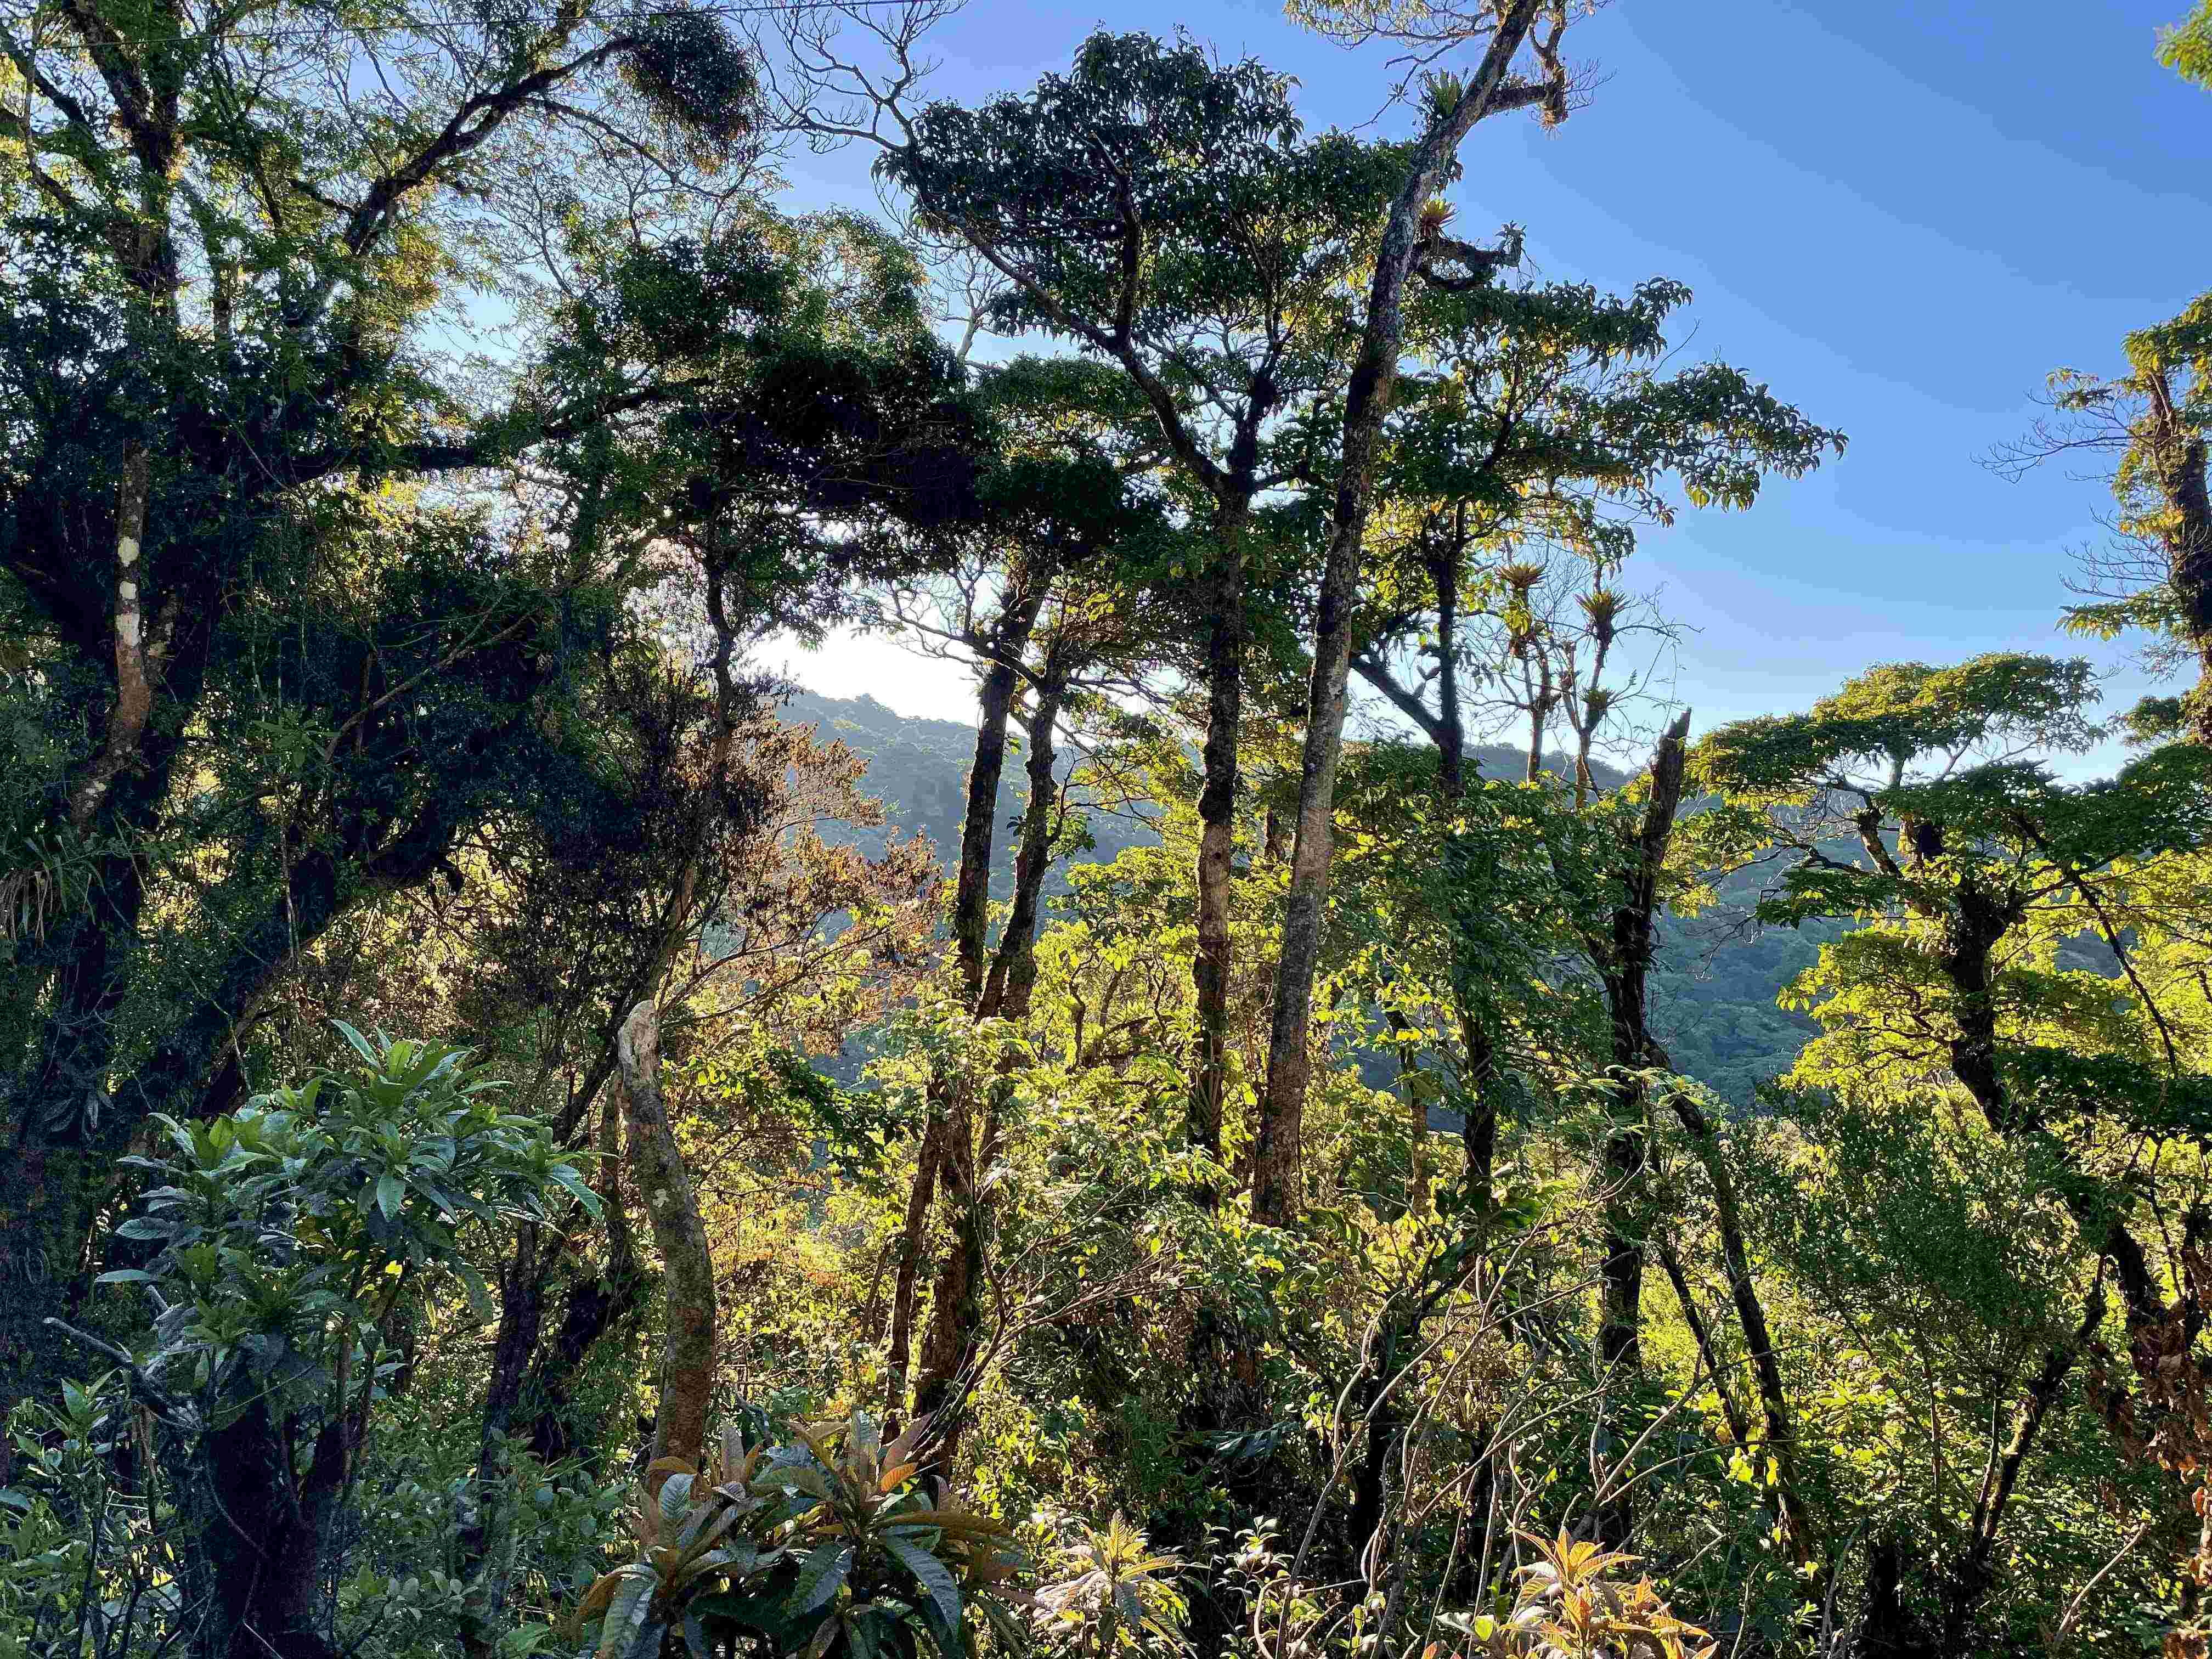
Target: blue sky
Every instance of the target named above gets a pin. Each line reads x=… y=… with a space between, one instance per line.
x=1900 y=216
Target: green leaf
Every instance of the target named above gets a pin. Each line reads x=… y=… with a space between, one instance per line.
x=390 y=1191
x=942 y=1593
x=360 y=1044
x=573 y=1184
x=674 y=1495
x=626 y=1613
x=821 y=1575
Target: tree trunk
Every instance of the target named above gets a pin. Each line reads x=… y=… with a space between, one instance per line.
x=949 y=1350
x=602 y=1302
x=1384 y=1423
x=956 y=1308
x=1276 y=1149
x=263 y=1537
x=1619 y=1334
x=1451 y=724
x=979 y=824
x=134 y=685
x=527 y=1399
x=1751 y=1314
x=486 y=1540
x=1478 y=1105
x=1013 y=970
x=1969 y=936
x=687 y=1369
x=921 y=1193
x=1885 y=1628
x=1624 y=962
x=1215 y=956
x=946 y=1155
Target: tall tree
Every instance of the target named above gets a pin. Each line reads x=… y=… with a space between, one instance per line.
x=1915 y=801
x=2156 y=575
x=363 y=675
x=1518 y=471
x=2157 y=419
x=1068 y=515
x=1413 y=238
x=1623 y=955
x=1216 y=287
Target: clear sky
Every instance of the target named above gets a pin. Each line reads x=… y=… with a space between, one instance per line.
x=1901 y=217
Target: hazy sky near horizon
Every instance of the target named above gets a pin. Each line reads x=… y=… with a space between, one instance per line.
x=1900 y=216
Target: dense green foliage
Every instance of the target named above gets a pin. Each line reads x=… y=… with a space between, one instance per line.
x=1159 y=1174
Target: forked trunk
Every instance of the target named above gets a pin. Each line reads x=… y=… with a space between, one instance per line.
x=949 y=1350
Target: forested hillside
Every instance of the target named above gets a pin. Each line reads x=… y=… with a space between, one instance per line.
x=1716 y=979
x=1328 y=1116
x=917 y=769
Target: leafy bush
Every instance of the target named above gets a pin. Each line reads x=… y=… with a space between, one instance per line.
x=830 y=1545
x=1572 y=1605
x=287 y=1238
x=1112 y=1593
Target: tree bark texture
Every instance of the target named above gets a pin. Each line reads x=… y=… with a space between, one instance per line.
x=687 y=1369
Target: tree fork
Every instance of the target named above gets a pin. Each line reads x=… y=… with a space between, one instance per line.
x=940 y=1161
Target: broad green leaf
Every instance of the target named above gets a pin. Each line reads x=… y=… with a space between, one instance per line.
x=942 y=1593
x=674 y=1495
x=358 y=1043
x=821 y=1575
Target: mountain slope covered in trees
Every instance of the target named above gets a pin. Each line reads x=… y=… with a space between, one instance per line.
x=1718 y=975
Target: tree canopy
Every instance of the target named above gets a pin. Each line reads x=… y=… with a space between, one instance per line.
x=1334 y=1122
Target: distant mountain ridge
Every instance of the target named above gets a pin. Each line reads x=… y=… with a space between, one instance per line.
x=918 y=769
x=1713 y=987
